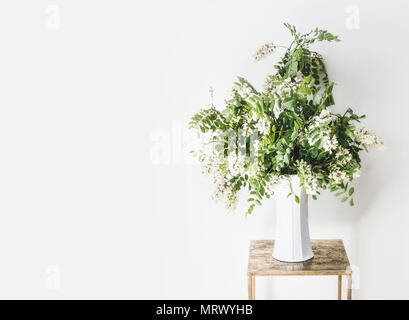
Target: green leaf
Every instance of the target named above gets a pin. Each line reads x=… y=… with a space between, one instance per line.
x=333 y=188
x=297 y=199
x=350 y=133
x=314 y=197
x=293 y=67
x=344 y=199
x=287 y=158
x=351 y=202
x=314 y=153
x=319 y=143
x=351 y=191
x=289 y=104
x=338 y=193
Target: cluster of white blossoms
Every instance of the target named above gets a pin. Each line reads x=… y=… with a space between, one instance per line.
x=269 y=85
x=338 y=175
x=244 y=91
x=272 y=183
x=209 y=156
x=323 y=119
x=220 y=190
x=277 y=110
x=264 y=51
x=246 y=130
x=285 y=87
x=223 y=191
x=231 y=200
x=211 y=163
x=310 y=179
x=254 y=170
x=343 y=155
x=329 y=142
x=235 y=163
x=367 y=138
x=256 y=145
x=232 y=93
x=279 y=87
x=263 y=125
x=235 y=167
x=299 y=77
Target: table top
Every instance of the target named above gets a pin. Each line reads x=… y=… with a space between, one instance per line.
x=330 y=258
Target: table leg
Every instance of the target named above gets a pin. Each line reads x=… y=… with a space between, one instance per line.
x=251 y=280
x=339 y=287
x=349 y=289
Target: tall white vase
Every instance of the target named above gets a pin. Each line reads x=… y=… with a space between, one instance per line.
x=292 y=242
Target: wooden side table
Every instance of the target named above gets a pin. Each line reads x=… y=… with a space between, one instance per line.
x=330 y=259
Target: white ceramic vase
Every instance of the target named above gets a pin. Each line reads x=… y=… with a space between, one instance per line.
x=292 y=242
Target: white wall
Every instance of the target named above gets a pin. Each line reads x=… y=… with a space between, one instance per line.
x=87 y=86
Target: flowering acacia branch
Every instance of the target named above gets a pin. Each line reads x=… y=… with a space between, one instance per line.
x=261 y=138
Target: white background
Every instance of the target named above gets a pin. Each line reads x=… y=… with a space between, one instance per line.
x=91 y=91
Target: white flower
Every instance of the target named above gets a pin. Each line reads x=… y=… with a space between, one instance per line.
x=272 y=183
x=310 y=180
x=269 y=85
x=264 y=51
x=246 y=129
x=231 y=200
x=338 y=175
x=329 y=143
x=212 y=161
x=233 y=92
x=367 y=138
x=256 y=145
x=230 y=197
x=235 y=163
x=299 y=76
x=211 y=165
x=245 y=91
x=219 y=191
x=263 y=125
x=254 y=169
x=323 y=119
x=343 y=155
x=277 y=110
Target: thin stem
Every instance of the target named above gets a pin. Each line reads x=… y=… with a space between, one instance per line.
x=282 y=47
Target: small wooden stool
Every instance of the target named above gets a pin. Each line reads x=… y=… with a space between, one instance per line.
x=330 y=259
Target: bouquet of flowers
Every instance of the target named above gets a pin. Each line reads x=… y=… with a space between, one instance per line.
x=262 y=137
